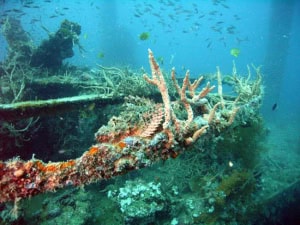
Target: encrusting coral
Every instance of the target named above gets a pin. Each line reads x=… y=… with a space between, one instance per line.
x=128 y=142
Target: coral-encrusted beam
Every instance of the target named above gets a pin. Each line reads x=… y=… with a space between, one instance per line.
x=115 y=154
x=122 y=146
x=21 y=179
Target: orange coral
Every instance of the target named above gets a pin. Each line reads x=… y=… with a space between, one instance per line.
x=122 y=144
x=93 y=150
x=67 y=164
x=50 y=168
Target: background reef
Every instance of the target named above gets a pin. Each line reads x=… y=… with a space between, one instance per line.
x=245 y=173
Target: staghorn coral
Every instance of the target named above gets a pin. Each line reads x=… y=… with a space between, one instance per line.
x=128 y=142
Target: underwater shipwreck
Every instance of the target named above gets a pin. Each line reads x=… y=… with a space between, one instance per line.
x=198 y=141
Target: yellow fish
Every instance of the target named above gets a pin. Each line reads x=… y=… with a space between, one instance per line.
x=91 y=106
x=235 y=52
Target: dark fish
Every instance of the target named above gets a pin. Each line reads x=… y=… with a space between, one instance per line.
x=22 y=14
x=4 y=15
x=27 y=6
x=17 y=10
x=209 y=44
x=217 y=29
x=230 y=29
x=237 y=17
x=171 y=16
x=225 y=6
x=213 y=12
x=34 y=21
x=29 y=2
x=274 y=106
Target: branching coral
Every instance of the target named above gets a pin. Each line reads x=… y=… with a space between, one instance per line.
x=129 y=141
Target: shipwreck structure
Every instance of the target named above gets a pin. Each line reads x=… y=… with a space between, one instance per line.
x=133 y=140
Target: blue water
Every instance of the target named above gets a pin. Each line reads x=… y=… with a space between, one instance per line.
x=186 y=34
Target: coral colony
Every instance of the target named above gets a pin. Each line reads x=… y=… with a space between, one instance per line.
x=130 y=142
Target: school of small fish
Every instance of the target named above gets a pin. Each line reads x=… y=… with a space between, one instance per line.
x=170 y=16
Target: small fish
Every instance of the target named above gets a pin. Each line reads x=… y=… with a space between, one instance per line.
x=213 y=12
x=144 y=36
x=100 y=55
x=225 y=6
x=274 y=107
x=17 y=10
x=45 y=29
x=27 y=6
x=62 y=151
x=91 y=107
x=230 y=29
x=217 y=29
x=237 y=17
x=160 y=60
x=235 y=52
x=22 y=14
